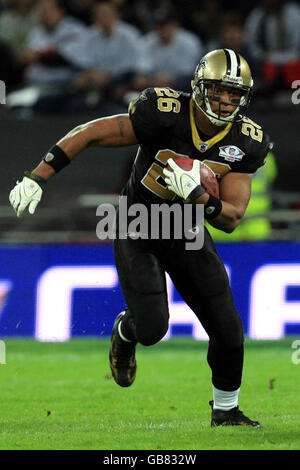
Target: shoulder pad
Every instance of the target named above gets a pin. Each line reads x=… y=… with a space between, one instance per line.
x=256 y=143
x=255 y=139
x=154 y=109
x=164 y=104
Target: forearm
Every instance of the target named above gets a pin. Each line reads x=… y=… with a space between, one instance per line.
x=228 y=219
x=110 y=131
x=72 y=144
x=44 y=170
x=235 y=192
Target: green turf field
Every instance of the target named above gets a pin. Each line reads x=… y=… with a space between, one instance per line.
x=62 y=396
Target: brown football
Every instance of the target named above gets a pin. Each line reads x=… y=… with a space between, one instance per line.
x=208 y=177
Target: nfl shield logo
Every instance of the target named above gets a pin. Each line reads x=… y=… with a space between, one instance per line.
x=231 y=153
x=203 y=147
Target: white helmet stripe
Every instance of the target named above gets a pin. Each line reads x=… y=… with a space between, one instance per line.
x=233 y=62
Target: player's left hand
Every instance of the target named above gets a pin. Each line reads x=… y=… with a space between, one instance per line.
x=184 y=182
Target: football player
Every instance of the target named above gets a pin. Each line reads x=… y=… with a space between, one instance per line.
x=208 y=125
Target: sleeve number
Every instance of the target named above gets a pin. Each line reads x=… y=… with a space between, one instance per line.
x=251 y=128
x=167 y=101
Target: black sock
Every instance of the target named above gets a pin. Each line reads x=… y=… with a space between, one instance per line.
x=128 y=327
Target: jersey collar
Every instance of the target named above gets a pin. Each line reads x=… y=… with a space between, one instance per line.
x=197 y=141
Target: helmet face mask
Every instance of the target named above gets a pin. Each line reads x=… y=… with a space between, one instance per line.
x=222 y=68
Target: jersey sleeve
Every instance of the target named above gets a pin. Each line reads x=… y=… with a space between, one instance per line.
x=255 y=154
x=150 y=117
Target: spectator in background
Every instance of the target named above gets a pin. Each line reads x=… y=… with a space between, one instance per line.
x=52 y=47
x=137 y=12
x=81 y=10
x=207 y=20
x=273 y=34
x=10 y=71
x=169 y=54
x=16 y=22
x=232 y=36
x=111 y=51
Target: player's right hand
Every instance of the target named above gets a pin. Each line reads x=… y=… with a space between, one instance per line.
x=26 y=193
x=184 y=183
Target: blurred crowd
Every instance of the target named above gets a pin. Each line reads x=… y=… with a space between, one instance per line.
x=66 y=55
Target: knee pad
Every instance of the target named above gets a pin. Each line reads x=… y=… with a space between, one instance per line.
x=147 y=275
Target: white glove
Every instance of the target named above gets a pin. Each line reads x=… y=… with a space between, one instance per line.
x=184 y=182
x=25 y=192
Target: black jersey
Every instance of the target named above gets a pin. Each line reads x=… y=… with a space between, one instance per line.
x=163 y=121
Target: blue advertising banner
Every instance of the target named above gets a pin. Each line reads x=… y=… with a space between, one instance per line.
x=54 y=292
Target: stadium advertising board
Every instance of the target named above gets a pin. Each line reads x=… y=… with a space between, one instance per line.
x=54 y=292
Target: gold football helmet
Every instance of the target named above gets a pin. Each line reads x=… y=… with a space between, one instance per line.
x=226 y=68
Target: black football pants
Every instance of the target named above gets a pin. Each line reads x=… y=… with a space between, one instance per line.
x=201 y=279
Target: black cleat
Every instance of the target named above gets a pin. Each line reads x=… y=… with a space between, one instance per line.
x=122 y=357
x=233 y=417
